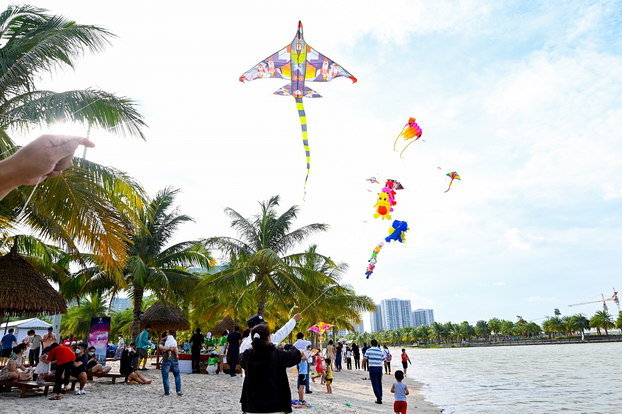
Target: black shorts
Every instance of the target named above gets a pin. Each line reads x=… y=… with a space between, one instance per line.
x=6 y=353
x=302 y=378
x=329 y=381
x=405 y=365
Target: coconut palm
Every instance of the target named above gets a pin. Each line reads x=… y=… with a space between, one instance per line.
x=262 y=255
x=602 y=320
x=77 y=208
x=152 y=266
x=579 y=323
x=495 y=326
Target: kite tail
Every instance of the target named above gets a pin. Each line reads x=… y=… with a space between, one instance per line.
x=450 y=183
x=398 y=137
x=305 y=139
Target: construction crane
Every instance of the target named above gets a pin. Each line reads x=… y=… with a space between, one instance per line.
x=603 y=300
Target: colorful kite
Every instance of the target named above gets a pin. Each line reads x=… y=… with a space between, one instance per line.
x=320 y=327
x=372 y=260
x=373 y=180
x=410 y=130
x=454 y=176
x=299 y=62
x=397 y=232
x=383 y=206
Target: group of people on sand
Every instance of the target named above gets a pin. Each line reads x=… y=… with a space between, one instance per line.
x=64 y=362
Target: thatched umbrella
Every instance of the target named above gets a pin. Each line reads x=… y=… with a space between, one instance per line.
x=23 y=290
x=225 y=323
x=161 y=318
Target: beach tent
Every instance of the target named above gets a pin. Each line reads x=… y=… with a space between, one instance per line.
x=22 y=327
x=163 y=317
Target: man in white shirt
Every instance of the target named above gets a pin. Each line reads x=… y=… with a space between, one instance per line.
x=276 y=337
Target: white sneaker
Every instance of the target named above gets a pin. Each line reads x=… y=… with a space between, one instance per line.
x=82 y=392
x=78 y=392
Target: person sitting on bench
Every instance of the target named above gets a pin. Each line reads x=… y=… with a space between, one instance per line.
x=92 y=366
x=15 y=369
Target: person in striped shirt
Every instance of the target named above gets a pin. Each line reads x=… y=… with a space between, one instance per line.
x=375 y=360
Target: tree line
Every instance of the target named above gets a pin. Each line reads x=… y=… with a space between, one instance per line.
x=493 y=329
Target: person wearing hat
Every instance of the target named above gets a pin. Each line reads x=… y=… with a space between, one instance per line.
x=276 y=338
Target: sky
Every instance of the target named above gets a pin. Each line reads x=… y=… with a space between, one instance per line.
x=522 y=98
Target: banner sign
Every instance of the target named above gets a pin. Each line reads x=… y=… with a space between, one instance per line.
x=100 y=329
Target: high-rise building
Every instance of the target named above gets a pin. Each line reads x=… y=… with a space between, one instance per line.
x=422 y=317
x=396 y=313
x=120 y=304
x=358 y=327
x=376 y=320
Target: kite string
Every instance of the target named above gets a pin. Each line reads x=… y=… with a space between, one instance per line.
x=316 y=299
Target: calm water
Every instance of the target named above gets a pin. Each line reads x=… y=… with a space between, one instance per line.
x=581 y=378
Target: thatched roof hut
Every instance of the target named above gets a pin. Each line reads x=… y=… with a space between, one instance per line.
x=226 y=323
x=162 y=317
x=23 y=290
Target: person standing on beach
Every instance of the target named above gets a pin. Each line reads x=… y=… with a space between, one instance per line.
x=266 y=387
x=120 y=347
x=222 y=345
x=234 y=341
x=330 y=351
x=49 y=338
x=356 y=353
x=63 y=357
x=401 y=391
x=8 y=342
x=276 y=337
x=302 y=345
x=142 y=346
x=387 y=359
x=170 y=361
x=365 y=348
x=196 y=341
x=35 y=348
x=405 y=360
x=375 y=358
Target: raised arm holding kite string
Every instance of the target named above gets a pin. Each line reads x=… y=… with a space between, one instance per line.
x=299 y=62
x=410 y=130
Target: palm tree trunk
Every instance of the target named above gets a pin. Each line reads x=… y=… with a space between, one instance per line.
x=261 y=305
x=138 y=304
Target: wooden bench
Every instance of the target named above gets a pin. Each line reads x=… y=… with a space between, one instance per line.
x=90 y=377
x=25 y=387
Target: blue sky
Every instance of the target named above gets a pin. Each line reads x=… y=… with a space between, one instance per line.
x=522 y=99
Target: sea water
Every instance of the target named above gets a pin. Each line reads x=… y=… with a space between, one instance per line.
x=572 y=378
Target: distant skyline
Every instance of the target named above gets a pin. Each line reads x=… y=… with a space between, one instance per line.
x=522 y=99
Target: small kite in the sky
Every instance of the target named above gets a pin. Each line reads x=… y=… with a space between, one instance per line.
x=454 y=176
x=299 y=62
x=397 y=232
x=410 y=130
x=373 y=180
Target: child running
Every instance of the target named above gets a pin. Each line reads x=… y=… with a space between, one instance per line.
x=328 y=376
x=401 y=391
x=319 y=368
x=405 y=360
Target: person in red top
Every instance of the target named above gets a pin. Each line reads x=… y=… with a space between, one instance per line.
x=405 y=360
x=63 y=357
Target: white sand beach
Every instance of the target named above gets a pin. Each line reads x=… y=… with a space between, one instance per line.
x=219 y=394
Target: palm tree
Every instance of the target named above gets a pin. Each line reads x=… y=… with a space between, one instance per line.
x=602 y=319
x=152 y=265
x=552 y=325
x=495 y=326
x=619 y=321
x=261 y=256
x=437 y=331
x=35 y=43
x=482 y=329
x=78 y=207
x=580 y=323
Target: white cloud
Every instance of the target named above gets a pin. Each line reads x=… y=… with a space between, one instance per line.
x=612 y=191
x=498 y=283
x=518 y=240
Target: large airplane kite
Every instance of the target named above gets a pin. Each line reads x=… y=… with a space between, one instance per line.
x=299 y=62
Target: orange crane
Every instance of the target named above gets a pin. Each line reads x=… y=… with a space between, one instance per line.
x=603 y=300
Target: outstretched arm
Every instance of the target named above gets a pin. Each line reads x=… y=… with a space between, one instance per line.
x=282 y=333
x=46 y=156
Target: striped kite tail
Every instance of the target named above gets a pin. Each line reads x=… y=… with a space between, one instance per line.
x=305 y=139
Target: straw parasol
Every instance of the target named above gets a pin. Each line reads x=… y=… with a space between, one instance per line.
x=23 y=290
x=225 y=323
x=161 y=318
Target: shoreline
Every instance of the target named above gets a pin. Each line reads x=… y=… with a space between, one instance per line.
x=218 y=394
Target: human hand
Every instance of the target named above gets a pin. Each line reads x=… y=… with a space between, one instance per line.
x=46 y=156
x=297 y=317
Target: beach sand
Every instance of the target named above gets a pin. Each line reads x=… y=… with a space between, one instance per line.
x=218 y=394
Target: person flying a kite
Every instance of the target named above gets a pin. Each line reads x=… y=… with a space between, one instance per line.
x=299 y=62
